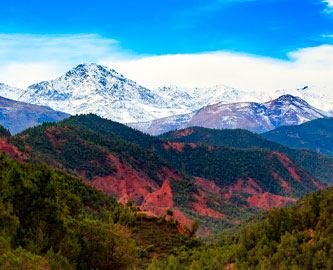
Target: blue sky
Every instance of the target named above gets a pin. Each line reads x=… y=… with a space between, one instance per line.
x=263 y=27
x=49 y=32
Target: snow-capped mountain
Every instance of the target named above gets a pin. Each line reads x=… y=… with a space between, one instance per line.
x=253 y=116
x=319 y=97
x=10 y=92
x=195 y=98
x=91 y=88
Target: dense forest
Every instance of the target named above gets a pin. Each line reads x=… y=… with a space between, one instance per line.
x=298 y=237
x=316 y=135
x=50 y=220
x=318 y=165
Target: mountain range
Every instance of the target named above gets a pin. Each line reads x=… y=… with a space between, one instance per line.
x=17 y=116
x=256 y=117
x=86 y=192
x=92 y=88
x=316 y=135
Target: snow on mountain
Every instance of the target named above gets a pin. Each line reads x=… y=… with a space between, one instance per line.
x=319 y=97
x=253 y=116
x=195 y=98
x=91 y=88
x=10 y=92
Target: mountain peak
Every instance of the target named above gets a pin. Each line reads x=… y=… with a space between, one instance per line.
x=291 y=99
x=93 y=70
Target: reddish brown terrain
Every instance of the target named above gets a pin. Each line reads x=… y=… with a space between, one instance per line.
x=268 y=201
x=11 y=150
x=168 y=177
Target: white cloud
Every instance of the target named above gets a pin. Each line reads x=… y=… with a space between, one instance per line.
x=26 y=59
x=329 y=8
x=311 y=66
x=329 y=2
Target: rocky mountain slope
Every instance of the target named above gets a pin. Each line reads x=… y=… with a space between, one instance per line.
x=256 y=117
x=17 y=116
x=316 y=135
x=10 y=92
x=91 y=88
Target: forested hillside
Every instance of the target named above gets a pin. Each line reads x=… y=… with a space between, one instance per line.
x=318 y=165
x=299 y=237
x=50 y=220
x=316 y=135
x=220 y=185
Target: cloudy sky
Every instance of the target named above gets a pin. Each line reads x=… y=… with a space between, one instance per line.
x=247 y=44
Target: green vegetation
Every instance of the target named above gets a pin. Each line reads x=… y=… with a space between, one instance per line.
x=4 y=132
x=225 y=165
x=89 y=146
x=83 y=152
x=316 y=135
x=50 y=219
x=299 y=237
x=319 y=166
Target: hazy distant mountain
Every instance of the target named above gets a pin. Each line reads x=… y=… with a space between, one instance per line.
x=316 y=135
x=256 y=117
x=17 y=116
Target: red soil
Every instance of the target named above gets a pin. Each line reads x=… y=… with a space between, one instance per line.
x=12 y=151
x=126 y=183
x=175 y=146
x=226 y=195
x=210 y=148
x=282 y=182
x=245 y=187
x=167 y=173
x=268 y=201
x=193 y=145
x=288 y=164
x=161 y=198
x=183 y=133
x=201 y=206
x=317 y=184
x=206 y=184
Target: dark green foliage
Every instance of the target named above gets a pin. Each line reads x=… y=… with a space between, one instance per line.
x=4 y=132
x=316 y=135
x=299 y=237
x=84 y=152
x=49 y=217
x=182 y=192
x=225 y=165
x=319 y=166
x=112 y=129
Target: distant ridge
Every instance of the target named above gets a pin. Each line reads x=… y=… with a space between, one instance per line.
x=17 y=116
x=256 y=117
